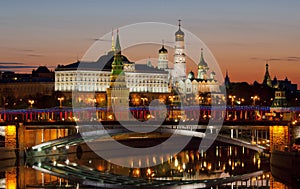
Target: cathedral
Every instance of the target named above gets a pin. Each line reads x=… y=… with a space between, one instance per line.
x=139 y=78
x=205 y=82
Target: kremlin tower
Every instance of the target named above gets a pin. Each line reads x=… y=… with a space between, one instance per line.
x=179 y=72
x=117 y=92
x=267 y=79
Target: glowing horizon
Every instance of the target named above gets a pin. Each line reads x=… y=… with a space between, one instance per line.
x=242 y=36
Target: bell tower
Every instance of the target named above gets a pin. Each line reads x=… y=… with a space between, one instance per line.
x=179 y=56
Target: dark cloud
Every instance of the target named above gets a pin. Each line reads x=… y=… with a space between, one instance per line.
x=19 y=65
x=27 y=50
x=257 y=58
x=11 y=63
x=35 y=55
x=293 y=58
x=15 y=67
x=274 y=59
x=289 y=58
x=99 y=39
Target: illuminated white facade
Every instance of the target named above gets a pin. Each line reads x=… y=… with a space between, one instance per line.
x=194 y=86
x=81 y=80
x=179 y=71
x=139 y=78
x=201 y=84
x=95 y=76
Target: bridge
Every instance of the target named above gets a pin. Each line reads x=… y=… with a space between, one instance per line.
x=200 y=113
x=244 y=135
x=114 y=130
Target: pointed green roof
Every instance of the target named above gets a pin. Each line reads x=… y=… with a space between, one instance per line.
x=149 y=64
x=118 y=46
x=117 y=65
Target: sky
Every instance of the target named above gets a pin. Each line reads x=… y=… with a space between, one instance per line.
x=242 y=35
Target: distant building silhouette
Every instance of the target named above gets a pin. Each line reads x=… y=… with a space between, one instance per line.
x=267 y=79
x=273 y=93
x=227 y=80
x=18 y=85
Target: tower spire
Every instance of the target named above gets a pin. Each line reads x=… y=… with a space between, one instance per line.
x=202 y=54
x=179 y=23
x=112 y=40
x=118 y=46
x=227 y=80
x=267 y=78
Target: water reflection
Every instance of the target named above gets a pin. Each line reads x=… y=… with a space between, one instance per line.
x=219 y=162
x=221 y=166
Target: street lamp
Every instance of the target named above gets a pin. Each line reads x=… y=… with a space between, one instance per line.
x=232 y=99
x=92 y=101
x=171 y=99
x=254 y=98
x=31 y=102
x=60 y=99
x=240 y=101
x=200 y=99
x=143 y=100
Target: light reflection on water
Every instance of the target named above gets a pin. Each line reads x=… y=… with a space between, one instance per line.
x=220 y=161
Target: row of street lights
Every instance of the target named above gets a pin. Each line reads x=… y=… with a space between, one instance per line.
x=241 y=100
x=60 y=99
x=144 y=99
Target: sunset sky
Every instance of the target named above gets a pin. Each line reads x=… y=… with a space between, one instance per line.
x=242 y=35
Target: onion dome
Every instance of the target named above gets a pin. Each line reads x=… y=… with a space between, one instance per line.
x=212 y=75
x=202 y=64
x=179 y=32
x=163 y=50
x=179 y=35
x=191 y=75
x=275 y=83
